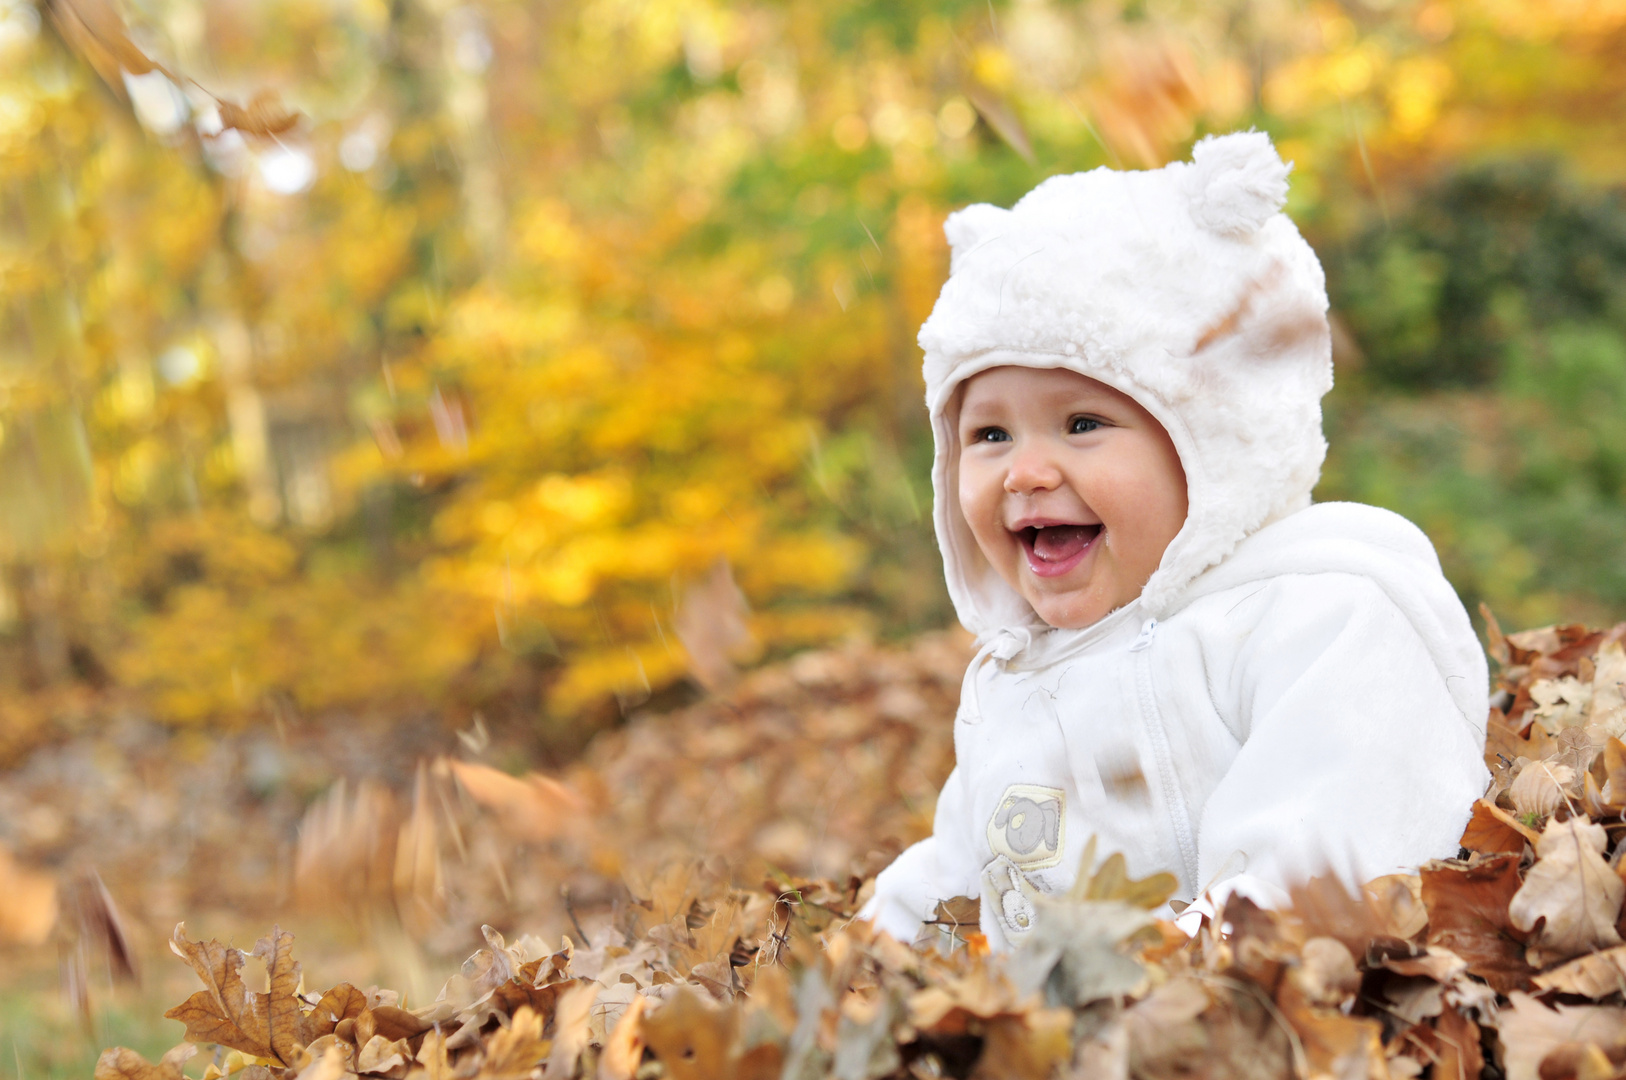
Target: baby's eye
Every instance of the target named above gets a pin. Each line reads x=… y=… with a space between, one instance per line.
x=991 y=434
x=1082 y=425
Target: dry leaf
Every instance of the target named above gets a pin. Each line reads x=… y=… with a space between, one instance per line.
x=284 y=1020
x=624 y=1049
x=513 y=1052
x=224 y=1012
x=1608 y=710
x=536 y=808
x=1529 y=1031
x=264 y=115
x=342 y=1002
x=120 y=1063
x=1573 y=889
x=1467 y=908
x=690 y=1036
x=571 y=1027
x=1541 y=788
x=1560 y=703
x=1595 y=975
x=713 y=624
x=28 y=905
x=96 y=30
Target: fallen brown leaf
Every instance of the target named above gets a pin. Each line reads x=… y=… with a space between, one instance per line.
x=1467 y=908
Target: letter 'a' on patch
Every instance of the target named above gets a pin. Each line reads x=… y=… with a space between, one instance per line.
x=1028 y=826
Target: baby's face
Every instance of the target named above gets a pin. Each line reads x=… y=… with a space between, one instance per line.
x=1072 y=490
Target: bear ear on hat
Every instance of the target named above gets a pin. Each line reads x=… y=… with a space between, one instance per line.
x=970 y=228
x=1236 y=182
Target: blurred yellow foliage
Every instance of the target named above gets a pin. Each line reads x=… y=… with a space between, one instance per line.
x=447 y=394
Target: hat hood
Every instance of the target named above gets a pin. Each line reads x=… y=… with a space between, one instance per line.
x=1184 y=287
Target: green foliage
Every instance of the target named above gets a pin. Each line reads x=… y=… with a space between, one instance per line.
x=1492 y=319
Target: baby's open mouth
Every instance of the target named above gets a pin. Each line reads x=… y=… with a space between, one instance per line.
x=1052 y=550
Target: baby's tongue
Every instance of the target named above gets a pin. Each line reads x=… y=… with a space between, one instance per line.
x=1058 y=542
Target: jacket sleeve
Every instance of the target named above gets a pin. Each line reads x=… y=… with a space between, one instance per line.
x=937 y=868
x=1355 y=759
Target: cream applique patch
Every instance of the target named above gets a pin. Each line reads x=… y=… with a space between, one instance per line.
x=1029 y=826
x=1010 y=895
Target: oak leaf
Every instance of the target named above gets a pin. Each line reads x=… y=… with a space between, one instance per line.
x=513 y=1052
x=224 y=1012
x=1573 y=889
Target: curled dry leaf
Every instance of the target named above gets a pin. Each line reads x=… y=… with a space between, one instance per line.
x=1573 y=889
x=1467 y=907
x=1492 y=830
x=1541 y=788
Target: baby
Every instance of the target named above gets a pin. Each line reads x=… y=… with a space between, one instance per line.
x=1179 y=654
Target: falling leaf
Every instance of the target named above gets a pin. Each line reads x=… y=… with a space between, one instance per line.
x=1573 y=889
x=713 y=624
x=1076 y=952
x=1001 y=119
x=28 y=903
x=536 y=808
x=98 y=32
x=264 y=115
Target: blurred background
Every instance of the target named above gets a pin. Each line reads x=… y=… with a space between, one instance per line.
x=374 y=370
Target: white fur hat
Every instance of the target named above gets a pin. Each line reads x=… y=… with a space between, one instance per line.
x=1185 y=288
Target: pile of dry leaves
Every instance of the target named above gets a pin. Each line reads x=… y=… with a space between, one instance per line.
x=1508 y=961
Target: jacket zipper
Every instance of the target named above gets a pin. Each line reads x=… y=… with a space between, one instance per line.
x=1172 y=796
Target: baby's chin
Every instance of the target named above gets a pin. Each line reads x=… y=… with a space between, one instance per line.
x=1072 y=609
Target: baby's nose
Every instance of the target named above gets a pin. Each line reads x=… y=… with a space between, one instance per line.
x=1031 y=470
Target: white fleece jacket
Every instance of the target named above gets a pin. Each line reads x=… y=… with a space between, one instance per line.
x=1316 y=702
x=1297 y=689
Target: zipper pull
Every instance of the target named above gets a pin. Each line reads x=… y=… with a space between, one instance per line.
x=1144 y=638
